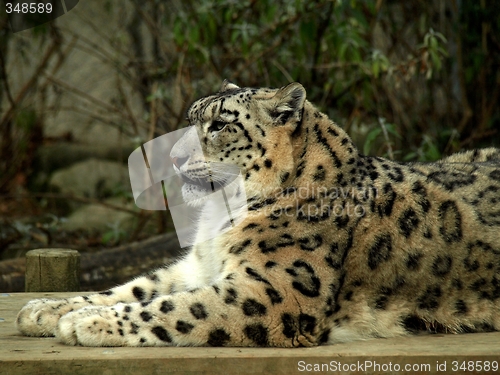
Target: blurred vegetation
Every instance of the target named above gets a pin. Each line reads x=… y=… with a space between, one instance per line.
x=429 y=70
x=410 y=80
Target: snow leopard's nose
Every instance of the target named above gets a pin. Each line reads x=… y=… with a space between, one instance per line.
x=178 y=162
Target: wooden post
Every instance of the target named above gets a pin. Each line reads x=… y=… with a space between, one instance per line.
x=52 y=270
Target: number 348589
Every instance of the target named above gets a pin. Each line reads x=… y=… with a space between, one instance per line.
x=28 y=8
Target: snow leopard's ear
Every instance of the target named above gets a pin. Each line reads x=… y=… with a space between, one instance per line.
x=288 y=103
x=226 y=85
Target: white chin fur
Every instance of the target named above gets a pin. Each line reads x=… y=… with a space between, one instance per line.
x=193 y=195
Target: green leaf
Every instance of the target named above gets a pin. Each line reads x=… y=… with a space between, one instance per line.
x=234 y=36
x=441 y=36
x=376 y=68
x=370 y=138
x=410 y=156
x=108 y=237
x=307 y=32
x=342 y=51
x=26 y=119
x=436 y=61
x=179 y=34
x=194 y=35
x=431 y=152
x=433 y=42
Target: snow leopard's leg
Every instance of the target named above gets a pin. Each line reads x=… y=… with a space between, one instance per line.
x=236 y=311
x=39 y=317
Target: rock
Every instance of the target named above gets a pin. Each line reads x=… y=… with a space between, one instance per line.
x=92 y=178
x=96 y=217
x=52 y=157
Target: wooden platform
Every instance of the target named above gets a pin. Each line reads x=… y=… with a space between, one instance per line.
x=423 y=354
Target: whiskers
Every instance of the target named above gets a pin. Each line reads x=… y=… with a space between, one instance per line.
x=215 y=172
x=212 y=176
x=223 y=173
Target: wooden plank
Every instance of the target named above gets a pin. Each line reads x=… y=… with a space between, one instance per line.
x=26 y=355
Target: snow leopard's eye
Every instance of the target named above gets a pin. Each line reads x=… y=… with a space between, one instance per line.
x=217 y=125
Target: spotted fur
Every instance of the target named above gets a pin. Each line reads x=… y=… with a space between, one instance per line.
x=336 y=246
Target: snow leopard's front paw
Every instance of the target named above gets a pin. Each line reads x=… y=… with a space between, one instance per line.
x=91 y=326
x=39 y=317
